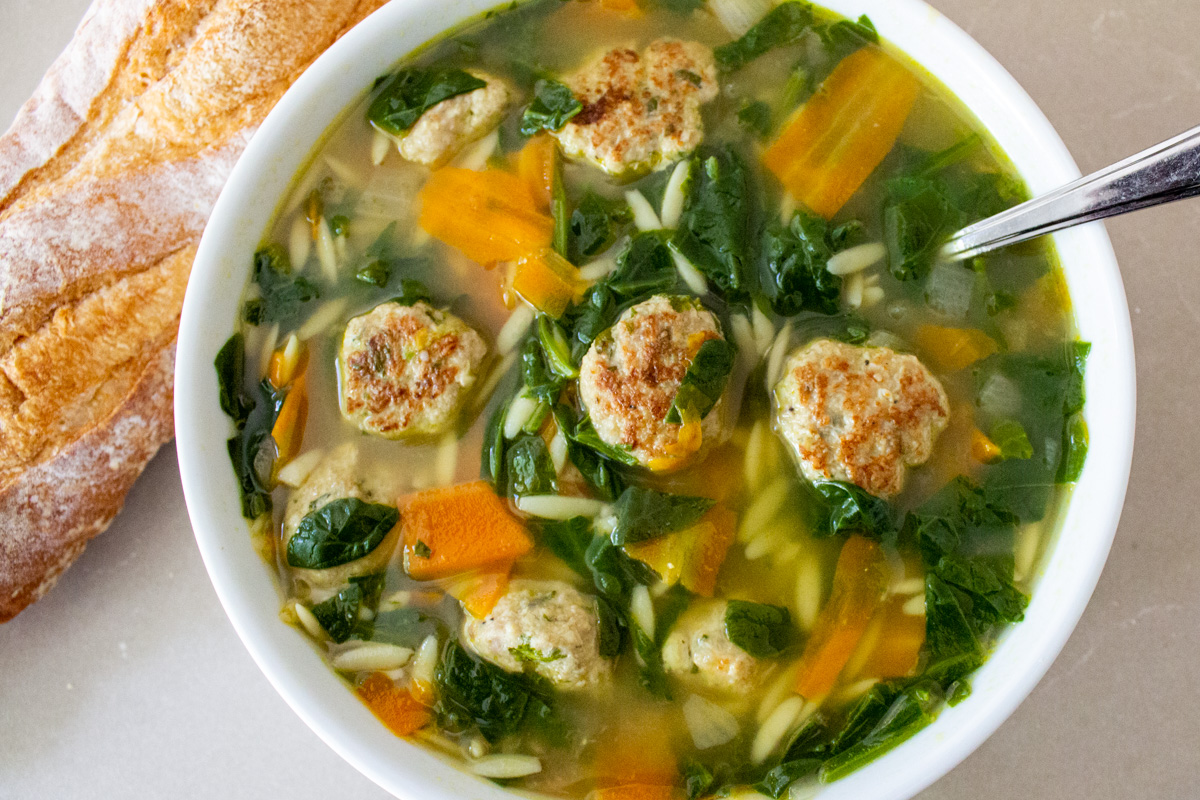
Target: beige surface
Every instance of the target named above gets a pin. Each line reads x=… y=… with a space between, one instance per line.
x=127 y=680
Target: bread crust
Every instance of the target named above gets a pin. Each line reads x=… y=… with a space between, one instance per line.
x=107 y=177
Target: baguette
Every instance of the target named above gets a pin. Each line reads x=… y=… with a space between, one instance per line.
x=107 y=177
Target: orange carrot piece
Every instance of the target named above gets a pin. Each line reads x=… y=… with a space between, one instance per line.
x=535 y=165
x=900 y=640
x=983 y=449
x=396 y=708
x=840 y=135
x=547 y=281
x=859 y=581
x=638 y=791
x=479 y=592
x=288 y=431
x=693 y=556
x=638 y=751
x=490 y=216
x=952 y=349
x=456 y=529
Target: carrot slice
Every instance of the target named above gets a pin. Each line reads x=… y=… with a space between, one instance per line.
x=859 y=581
x=535 y=165
x=547 y=281
x=637 y=751
x=952 y=349
x=840 y=135
x=456 y=529
x=983 y=449
x=490 y=215
x=693 y=556
x=396 y=708
x=901 y=637
x=288 y=431
x=479 y=592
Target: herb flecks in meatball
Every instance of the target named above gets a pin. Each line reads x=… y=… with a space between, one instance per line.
x=859 y=414
x=404 y=370
x=640 y=112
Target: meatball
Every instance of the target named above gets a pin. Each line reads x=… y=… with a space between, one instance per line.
x=630 y=376
x=859 y=414
x=697 y=648
x=452 y=124
x=640 y=112
x=546 y=626
x=405 y=370
x=336 y=477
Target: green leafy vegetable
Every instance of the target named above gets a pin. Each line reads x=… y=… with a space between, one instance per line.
x=411 y=293
x=528 y=654
x=1075 y=450
x=647 y=514
x=913 y=709
x=473 y=692
x=408 y=93
x=763 y=631
x=756 y=117
x=553 y=106
x=374 y=273
x=651 y=673
x=854 y=510
x=594 y=225
x=529 y=468
x=599 y=471
x=251 y=449
x=797 y=259
x=230 y=364
x=281 y=295
x=422 y=550
x=783 y=25
x=843 y=37
x=704 y=382
x=644 y=268
x=1009 y=435
x=492 y=461
x=339 y=532
x=697 y=779
x=339 y=614
x=779 y=778
x=540 y=380
x=407 y=627
x=556 y=348
x=718 y=211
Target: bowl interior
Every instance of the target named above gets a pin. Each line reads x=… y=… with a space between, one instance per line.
x=246 y=586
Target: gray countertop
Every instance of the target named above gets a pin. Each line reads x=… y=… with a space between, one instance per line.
x=128 y=681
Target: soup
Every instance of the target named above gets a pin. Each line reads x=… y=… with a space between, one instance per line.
x=610 y=420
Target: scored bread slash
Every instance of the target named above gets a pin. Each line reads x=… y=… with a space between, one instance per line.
x=107 y=177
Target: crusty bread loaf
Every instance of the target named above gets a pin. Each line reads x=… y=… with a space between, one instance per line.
x=107 y=177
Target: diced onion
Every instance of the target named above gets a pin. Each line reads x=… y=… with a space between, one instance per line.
x=708 y=723
x=673 y=195
x=505 y=765
x=372 y=656
x=553 y=506
x=949 y=288
x=739 y=16
x=999 y=396
x=856 y=259
x=643 y=213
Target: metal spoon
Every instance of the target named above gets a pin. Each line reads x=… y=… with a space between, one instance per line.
x=1162 y=174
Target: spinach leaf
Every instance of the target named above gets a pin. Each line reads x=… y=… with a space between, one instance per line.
x=411 y=293
x=530 y=469
x=595 y=223
x=569 y=540
x=779 y=778
x=763 y=631
x=1009 y=435
x=339 y=614
x=797 y=259
x=843 y=37
x=230 y=364
x=651 y=673
x=784 y=24
x=339 y=532
x=406 y=627
x=852 y=509
x=704 y=382
x=375 y=273
x=756 y=117
x=252 y=450
x=917 y=218
x=553 y=106
x=714 y=228
x=599 y=471
x=988 y=582
x=644 y=268
x=555 y=348
x=679 y=6
x=586 y=436
x=472 y=691
x=647 y=514
x=282 y=296
x=613 y=572
x=540 y=381
x=1074 y=450
x=408 y=93
x=697 y=779
x=492 y=462
x=912 y=710
x=611 y=629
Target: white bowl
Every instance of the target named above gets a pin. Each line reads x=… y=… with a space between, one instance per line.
x=247 y=588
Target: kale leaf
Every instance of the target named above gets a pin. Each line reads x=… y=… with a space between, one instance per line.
x=598 y=470
x=529 y=468
x=408 y=93
x=756 y=117
x=704 y=382
x=472 y=691
x=912 y=709
x=647 y=514
x=282 y=295
x=339 y=532
x=594 y=225
x=339 y=614
x=252 y=450
x=797 y=258
x=852 y=509
x=718 y=212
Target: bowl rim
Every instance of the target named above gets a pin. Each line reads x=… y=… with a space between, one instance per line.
x=283 y=144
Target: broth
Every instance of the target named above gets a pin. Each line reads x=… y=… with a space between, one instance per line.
x=957 y=546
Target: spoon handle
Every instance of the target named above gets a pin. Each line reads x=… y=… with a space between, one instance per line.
x=1162 y=174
